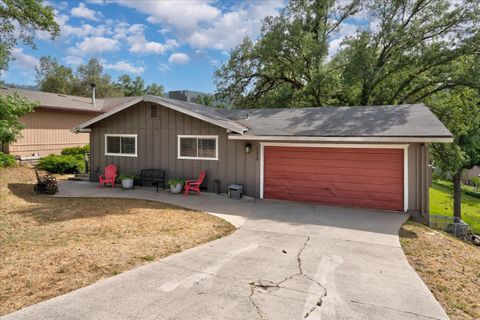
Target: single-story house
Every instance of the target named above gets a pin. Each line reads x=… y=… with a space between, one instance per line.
x=471 y=173
x=370 y=157
x=48 y=128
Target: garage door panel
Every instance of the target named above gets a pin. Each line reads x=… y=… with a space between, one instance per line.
x=337 y=171
x=315 y=178
x=305 y=184
x=354 y=164
x=360 y=177
x=334 y=156
x=337 y=150
x=369 y=204
x=333 y=192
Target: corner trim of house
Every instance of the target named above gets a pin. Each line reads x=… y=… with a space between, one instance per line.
x=340 y=145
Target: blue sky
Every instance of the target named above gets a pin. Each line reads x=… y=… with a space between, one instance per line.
x=175 y=43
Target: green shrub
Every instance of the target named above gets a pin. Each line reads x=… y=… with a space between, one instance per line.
x=6 y=160
x=76 y=150
x=62 y=164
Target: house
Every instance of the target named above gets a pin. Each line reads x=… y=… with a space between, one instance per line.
x=370 y=157
x=186 y=95
x=471 y=173
x=47 y=129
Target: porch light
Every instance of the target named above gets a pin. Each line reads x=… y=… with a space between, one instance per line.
x=248 y=147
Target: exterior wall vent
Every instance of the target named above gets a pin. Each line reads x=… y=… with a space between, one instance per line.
x=153 y=111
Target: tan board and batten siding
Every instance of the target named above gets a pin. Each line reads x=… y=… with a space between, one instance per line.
x=49 y=131
x=157 y=148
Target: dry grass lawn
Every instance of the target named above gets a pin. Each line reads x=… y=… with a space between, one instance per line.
x=50 y=246
x=448 y=266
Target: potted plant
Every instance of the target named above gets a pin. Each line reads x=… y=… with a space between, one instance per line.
x=176 y=185
x=127 y=181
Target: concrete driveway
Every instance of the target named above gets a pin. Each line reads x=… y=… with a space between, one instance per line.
x=286 y=261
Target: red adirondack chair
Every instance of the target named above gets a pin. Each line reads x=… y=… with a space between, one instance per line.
x=109 y=176
x=194 y=185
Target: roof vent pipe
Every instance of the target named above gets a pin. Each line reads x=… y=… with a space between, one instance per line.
x=93 y=93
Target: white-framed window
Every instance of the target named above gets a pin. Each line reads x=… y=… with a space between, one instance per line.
x=195 y=147
x=122 y=145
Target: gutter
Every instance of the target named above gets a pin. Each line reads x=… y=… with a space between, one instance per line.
x=437 y=139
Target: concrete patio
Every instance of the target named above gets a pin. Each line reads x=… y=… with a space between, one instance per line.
x=234 y=211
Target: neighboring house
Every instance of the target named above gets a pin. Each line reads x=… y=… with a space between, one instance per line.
x=474 y=172
x=47 y=129
x=371 y=157
x=186 y=95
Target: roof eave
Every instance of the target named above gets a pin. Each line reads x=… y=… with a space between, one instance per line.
x=420 y=139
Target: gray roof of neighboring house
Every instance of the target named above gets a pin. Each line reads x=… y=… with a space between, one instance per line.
x=413 y=120
x=67 y=102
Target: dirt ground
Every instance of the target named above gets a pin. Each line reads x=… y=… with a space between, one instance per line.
x=50 y=246
x=448 y=266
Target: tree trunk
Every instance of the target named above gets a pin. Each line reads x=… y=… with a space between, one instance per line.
x=457 y=194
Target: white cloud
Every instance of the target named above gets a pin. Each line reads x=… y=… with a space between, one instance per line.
x=135 y=36
x=73 y=60
x=179 y=58
x=202 y=25
x=92 y=45
x=83 y=12
x=23 y=60
x=163 y=68
x=346 y=30
x=97 y=1
x=68 y=31
x=124 y=66
x=184 y=16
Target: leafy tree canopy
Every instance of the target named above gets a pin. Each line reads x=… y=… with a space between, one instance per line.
x=12 y=107
x=54 y=77
x=131 y=87
x=412 y=52
x=92 y=73
x=19 y=20
x=155 y=89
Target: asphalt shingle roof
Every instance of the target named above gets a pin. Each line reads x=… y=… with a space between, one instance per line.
x=409 y=120
x=67 y=102
x=413 y=120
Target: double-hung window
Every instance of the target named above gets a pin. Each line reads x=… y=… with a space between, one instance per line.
x=124 y=145
x=198 y=147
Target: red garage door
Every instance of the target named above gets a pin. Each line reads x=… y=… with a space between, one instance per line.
x=356 y=177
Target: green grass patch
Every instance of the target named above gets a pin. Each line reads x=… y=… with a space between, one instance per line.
x=441 y=203
x=470 y=190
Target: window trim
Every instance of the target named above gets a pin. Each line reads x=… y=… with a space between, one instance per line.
x=122 y=154
x=179 y=137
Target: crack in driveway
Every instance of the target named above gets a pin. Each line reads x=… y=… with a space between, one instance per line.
x=269 y=286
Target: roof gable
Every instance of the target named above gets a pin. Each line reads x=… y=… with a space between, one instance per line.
x=197 y=111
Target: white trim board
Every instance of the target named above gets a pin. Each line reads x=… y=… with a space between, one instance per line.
x=343 y=139
x=341 y=145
